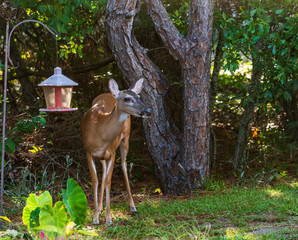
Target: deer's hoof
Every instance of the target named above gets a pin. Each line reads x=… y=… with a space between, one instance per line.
x=133 y=209
x=109 y=222
x=95 y=221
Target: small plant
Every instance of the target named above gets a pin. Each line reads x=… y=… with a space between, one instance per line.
x=14 y=136
x=283 y=174
x=61 y=220
x=5 y=218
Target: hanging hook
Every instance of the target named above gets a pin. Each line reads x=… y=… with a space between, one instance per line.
x=52 y=31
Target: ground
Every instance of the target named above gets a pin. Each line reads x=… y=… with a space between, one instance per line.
x=219 y=212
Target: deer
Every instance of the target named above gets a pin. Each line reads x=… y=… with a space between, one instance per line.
x=105 y=127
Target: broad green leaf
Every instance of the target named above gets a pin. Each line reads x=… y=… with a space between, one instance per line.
x=31 y=217
x=75 y=201
x=53 y=220
x=10 y=146
x=34 y=218
x=88 y=232
x=18 y=138
x=253 y=12
x=33 y=205
x=42 y=121
x=49 y=230
x=34 y=201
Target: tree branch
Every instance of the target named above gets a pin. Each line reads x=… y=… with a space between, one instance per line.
x=74 y=70
x=200 y=19
x=166 y=29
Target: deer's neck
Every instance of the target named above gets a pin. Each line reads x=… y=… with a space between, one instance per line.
x=119 y=117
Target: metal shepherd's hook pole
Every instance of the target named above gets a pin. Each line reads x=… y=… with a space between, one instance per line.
x=7 y=12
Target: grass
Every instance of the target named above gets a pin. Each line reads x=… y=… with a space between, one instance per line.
x=229 y=213
x=236 y=213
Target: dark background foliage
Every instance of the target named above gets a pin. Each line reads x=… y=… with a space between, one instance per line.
x=254 y=74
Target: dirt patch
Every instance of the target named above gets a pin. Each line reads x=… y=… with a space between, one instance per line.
x=270 y=229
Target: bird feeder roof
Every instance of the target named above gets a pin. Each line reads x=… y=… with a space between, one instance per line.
x=58 y=79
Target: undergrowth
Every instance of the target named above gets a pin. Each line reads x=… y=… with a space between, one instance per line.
x=220 y=211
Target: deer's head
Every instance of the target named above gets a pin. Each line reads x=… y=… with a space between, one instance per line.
x=129 y=100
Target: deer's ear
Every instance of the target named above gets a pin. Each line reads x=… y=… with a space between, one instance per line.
x=137 y=88
x=113 y=86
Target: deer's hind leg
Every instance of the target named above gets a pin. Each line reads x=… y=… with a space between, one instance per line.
x=103 y=183
x=124 y=145
x=93 y=172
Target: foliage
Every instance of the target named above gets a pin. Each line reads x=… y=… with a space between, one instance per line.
x=71 y=19
x=179 y=16
x=50 y=222
x=75 y=201
x=269 y=32
x=14 y=135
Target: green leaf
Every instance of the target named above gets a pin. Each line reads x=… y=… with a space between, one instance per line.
x=42 y=121
x=42 y=200
x=284 y=52
x=5 y=218
x=75 y=201
x=88 y=232
x=287 y=96
x=34 y=218
x=273 y=50
x=253 y=12
x=18 y=138
x=10 y=146
x=224 y=16
x=268 y=93
x=25 y=127
x=278 y=11
x=33 y=205
x=53 y=220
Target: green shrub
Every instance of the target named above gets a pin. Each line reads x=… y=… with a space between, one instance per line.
x=61 y=220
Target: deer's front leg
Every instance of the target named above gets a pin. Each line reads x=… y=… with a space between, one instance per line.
x=123 y=150
x=110 y=167
x=92 y=169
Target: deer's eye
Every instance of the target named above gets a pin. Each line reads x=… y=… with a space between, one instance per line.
x=127 y=99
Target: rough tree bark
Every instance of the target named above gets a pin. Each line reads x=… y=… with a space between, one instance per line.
x=181 y=160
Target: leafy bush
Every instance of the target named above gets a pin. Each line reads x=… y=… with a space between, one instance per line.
x=14 y=136
x=62 y=220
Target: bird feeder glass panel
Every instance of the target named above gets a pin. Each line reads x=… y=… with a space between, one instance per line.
x=58 y=92
x=58 y=97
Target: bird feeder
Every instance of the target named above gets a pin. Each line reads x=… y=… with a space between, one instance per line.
x=58 y=92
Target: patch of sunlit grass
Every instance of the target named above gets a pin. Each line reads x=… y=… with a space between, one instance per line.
x=275 y=193
x=294 y=184
x=236 y=233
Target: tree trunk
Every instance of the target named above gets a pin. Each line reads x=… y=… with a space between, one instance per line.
x=291 y=110
x=242 y=139
x=213 y=89
x=181 y=160
x=29 y=95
